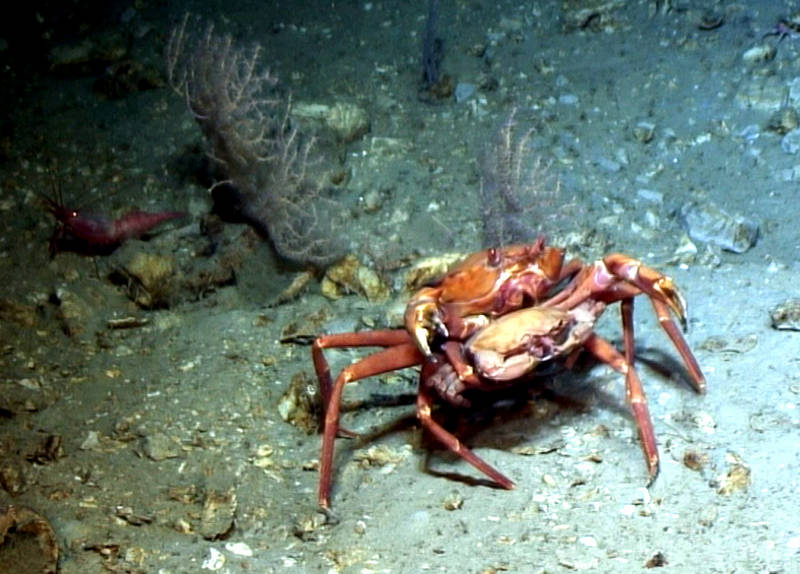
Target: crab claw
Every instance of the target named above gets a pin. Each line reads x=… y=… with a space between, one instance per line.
x=423 y=320
x=672 y=297
x=658 y=286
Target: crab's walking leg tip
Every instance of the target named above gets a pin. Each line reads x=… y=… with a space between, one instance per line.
x=507 y=484
x=653 y=471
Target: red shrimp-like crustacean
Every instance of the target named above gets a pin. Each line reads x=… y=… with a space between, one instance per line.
x=95 y=234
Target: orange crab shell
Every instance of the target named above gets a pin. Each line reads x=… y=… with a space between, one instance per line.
x=487 y=283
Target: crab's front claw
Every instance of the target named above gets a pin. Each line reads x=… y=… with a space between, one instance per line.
x=672 y=297
x=423 y=320
x=658 y=286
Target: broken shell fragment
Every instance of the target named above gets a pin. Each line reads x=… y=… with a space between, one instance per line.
x=347 y=120
x=428 y=269
x=783 y=121
x=786 y=315
x=737 y=478
x=759 y=54
x=350 y=276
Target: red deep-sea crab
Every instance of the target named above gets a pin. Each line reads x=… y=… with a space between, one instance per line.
x=495 y=318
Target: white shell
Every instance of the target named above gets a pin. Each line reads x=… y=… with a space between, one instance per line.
x=758 y=54
x=349 y=121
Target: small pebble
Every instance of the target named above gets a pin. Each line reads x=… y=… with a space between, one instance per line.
x=464 y=91
x=453 y=501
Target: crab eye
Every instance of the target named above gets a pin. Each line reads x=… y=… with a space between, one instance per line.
x=494 y=256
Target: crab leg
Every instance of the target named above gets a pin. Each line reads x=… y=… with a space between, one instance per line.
x=626 y=312
x=396 y=356
x=697 y=378
x=424 y=404
x=636 y=398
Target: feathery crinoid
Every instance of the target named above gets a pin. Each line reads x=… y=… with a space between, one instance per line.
x=518 y=192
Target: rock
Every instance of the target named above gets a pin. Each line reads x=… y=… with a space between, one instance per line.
x=783 y=121
x=159 y=446
x=464 y=91
x=91 y=442
x=766 y=94
x=710 y=223
x=27 y=542
x=19 y=314
x=12 y=477
x=73 y=312
x=89 y=54
x=650 y=196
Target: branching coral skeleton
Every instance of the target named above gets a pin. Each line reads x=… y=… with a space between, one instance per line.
x=247 y=123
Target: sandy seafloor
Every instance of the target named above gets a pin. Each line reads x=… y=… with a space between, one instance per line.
x=171 y=433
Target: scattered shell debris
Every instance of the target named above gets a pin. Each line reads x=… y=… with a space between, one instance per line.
x=453 y=501
x=17 y=313
x=127 y=322
x=737 y=478
x=644 y=132
x=657 y=560
x=695 y=460
x=759 y=54
x=347 y=120
x=305 y=328
x=785 y=316
x=382 y=455
x=350 y=276
x=239 y=549
x=301 y=404
x=736 y=345
x=214 y=560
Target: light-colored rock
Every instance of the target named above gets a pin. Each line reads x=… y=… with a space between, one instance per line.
x=710 y=223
